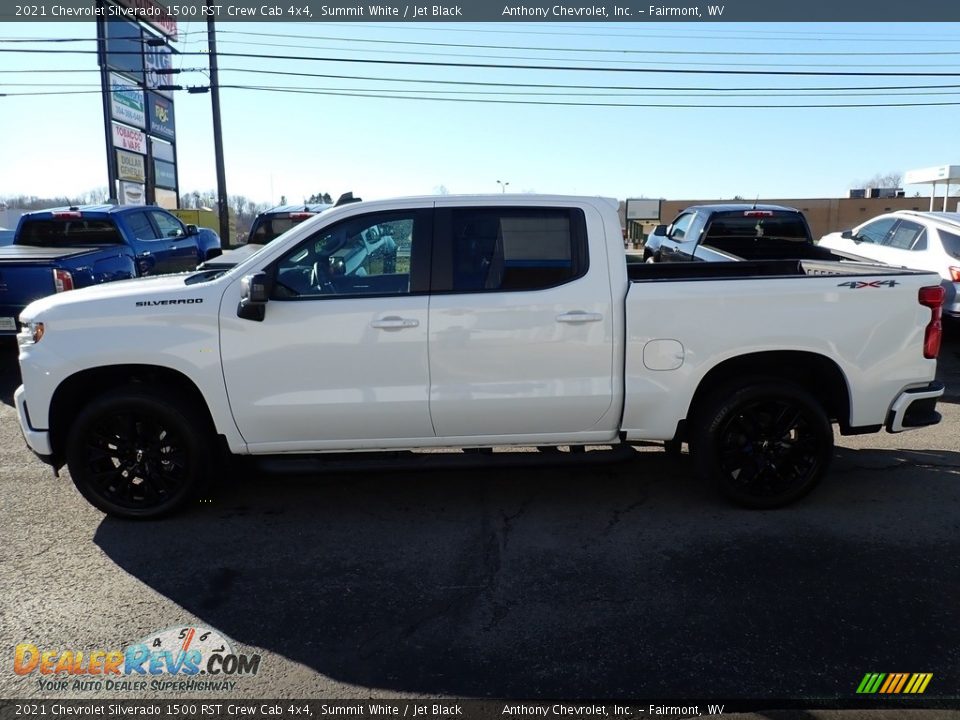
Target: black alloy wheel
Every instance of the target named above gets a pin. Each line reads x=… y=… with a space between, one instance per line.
x=136 y=454
x=765 y=445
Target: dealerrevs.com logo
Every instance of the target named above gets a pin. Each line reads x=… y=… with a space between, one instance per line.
x=178 y=659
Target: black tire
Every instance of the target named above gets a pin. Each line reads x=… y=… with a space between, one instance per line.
x=138 y=453
x=764 y=444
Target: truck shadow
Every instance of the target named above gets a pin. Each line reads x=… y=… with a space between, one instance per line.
x=631 y=580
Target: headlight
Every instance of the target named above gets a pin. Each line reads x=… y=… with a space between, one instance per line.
x=31 y=334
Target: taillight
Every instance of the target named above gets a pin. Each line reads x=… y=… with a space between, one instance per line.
x=62 y=280
x=758 y=213
x=932 y=297
x=954 y=273
x=301 y=215
x=65 y=214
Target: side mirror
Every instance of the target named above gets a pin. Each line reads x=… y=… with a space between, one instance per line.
x=193 y=230
x=254 y=294
x=660 y=230
x=847 y=234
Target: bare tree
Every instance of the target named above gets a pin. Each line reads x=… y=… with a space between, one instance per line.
x=882 y=180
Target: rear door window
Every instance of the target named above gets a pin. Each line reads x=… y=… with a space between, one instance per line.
x=140 y=225
x=499 y=249
x=907 y=236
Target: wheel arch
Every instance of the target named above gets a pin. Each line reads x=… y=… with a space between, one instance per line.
x=82 y=387
x=817 y=374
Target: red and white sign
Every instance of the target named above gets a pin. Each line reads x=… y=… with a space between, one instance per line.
x=153 y=13
x=128 y=138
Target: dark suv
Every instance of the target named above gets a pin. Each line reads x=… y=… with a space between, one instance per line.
x=277 y=220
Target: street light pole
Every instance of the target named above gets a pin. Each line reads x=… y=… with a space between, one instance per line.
x=503 y=185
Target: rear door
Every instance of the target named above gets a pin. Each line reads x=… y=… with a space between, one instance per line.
x=521 y=322
x=868 y=239
x=905 y=246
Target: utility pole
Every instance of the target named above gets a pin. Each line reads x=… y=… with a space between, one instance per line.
x=222 y=208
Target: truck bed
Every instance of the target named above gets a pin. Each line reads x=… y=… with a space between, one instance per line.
x=34 y=255
x=652 y=272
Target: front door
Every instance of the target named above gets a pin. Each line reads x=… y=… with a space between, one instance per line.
x=340 y=359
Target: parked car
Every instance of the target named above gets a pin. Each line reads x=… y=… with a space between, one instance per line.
x=67 y=248
x=501 y=322
x=267 y=227
x=735 y=231
x=911 y=239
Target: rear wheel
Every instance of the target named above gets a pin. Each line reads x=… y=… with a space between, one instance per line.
x=764 y=444
x=137 y=453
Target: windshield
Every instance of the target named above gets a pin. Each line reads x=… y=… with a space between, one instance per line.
x=65 y=233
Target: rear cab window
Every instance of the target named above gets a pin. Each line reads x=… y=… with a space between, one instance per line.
x=270 y=225
x=68 y=232
x=757 y=224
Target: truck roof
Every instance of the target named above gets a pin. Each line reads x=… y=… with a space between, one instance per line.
x=736 y=207
x=104 y=209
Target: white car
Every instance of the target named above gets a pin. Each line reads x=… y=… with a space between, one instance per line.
x=910 y=239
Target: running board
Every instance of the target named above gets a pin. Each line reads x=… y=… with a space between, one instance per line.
x=469 y=458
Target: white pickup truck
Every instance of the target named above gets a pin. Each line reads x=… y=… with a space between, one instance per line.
x=483 y=321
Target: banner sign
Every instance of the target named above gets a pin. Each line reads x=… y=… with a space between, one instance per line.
x=128 y=138
x=164 y=174
x=161 y=116
x=155 y=14
x=132 y=194
x=131 y=166
x=161 y=150
x=123 y=48
x=155 y=59
x=126 y=101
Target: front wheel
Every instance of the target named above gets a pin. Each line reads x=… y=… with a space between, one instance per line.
x=764 y=445
x=137 y=453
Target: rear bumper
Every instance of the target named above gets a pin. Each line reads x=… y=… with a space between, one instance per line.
x=37 y=440
x=915 y=408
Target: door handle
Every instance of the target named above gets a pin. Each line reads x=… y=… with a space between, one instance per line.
x=394 y=323
x=578 y=316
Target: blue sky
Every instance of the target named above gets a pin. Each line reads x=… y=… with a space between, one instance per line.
x=295 y=144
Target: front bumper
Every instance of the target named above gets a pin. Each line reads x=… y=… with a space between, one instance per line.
x=915 y=408
x=37 y=440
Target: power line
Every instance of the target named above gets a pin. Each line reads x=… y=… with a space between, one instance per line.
x=572 y=104
x=480 y=83
x=499 y=66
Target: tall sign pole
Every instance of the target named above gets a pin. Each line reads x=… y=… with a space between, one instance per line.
x=222 y=207
x=105 y=94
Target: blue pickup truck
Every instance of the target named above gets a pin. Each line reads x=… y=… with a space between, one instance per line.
x=66 y=248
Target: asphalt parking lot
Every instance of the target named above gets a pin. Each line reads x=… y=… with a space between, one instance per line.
x=613 y=581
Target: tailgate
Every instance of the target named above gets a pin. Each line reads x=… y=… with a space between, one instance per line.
x=26 y=274
x=20 y=286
